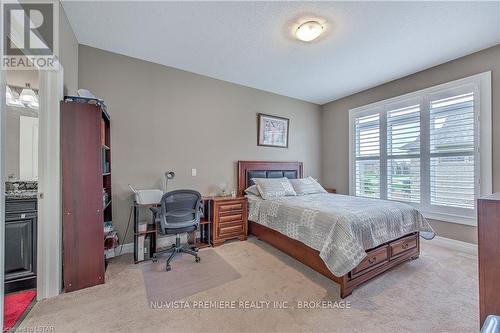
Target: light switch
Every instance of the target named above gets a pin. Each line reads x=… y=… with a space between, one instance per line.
x=193 y=172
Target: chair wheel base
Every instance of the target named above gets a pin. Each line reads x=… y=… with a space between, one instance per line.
x=197 y=259
x=168 y=268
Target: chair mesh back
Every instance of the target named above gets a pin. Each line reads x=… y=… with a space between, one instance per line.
x=180 y=209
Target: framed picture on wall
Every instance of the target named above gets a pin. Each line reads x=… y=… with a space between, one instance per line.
x=272 y=131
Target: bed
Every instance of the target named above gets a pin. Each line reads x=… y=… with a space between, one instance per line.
x=348 y=239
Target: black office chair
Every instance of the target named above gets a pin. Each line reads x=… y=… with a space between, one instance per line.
x=179 y=213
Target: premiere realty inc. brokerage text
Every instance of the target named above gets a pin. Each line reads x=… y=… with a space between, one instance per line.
x=240 y=304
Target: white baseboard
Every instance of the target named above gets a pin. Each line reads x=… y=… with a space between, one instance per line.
x=454 y=245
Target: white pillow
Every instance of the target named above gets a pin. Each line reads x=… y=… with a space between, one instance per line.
x=253 y=190
x=307 y=185
x=274 y=187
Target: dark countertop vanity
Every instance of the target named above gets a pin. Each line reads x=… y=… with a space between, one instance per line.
x=19 y=189
x=20 y=235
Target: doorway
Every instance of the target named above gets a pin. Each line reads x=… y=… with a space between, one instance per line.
x=22 y=107
x=48 y=231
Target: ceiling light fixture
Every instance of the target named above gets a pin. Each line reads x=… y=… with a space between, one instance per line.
x=309 y=31
x=27 y=96
x=12 y=98
x=8 y=94
x=35 y=104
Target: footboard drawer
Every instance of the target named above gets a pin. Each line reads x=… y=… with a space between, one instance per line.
x=373 y=259
x=400 y=246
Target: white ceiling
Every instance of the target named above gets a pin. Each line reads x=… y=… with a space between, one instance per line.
x=251 y=43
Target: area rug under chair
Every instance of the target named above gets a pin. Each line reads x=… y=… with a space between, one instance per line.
x=187 y=277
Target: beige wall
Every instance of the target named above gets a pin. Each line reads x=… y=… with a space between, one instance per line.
x=167 y=119
x=335 y=129
x=68 y=53
x=19 y=78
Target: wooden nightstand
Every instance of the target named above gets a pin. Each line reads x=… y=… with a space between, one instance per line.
x=330 y=190
x=229 y=219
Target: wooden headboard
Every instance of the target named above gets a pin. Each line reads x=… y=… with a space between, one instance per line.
x=266 y=169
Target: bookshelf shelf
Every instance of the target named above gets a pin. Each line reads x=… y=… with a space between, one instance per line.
x=106 y=168
x=149 y=230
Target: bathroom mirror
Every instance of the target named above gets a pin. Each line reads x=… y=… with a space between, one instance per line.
x=21 y=144
x=21 y=133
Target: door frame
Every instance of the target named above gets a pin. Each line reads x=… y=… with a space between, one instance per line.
x=49 y=233
x=49 y=239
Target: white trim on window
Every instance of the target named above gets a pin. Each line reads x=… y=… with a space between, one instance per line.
x=480 y=84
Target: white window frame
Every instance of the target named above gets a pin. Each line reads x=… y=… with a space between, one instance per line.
x=482 y=153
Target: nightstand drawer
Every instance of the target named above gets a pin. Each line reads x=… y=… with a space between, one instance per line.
x=231 y=217
x=231 y=229
x=233 y=206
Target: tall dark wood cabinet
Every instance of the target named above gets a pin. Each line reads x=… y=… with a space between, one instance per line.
x=85 y=180
x=488 y=224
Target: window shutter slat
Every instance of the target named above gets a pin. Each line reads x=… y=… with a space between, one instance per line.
x=403 y=139
x=452 y=125
x=367 y=151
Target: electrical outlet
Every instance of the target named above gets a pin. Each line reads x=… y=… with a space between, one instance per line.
x=193 y=172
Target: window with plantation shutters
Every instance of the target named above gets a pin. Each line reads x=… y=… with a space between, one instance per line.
x=429 y=149
x=452 y=124
x=367 y=143
x=403 y=153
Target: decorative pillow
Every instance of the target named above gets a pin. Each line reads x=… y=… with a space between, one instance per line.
x=306 y=186
x=253 y=190
x=274 y=187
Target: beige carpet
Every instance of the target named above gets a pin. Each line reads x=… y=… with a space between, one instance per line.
x=435 y=293
x=186 y=278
